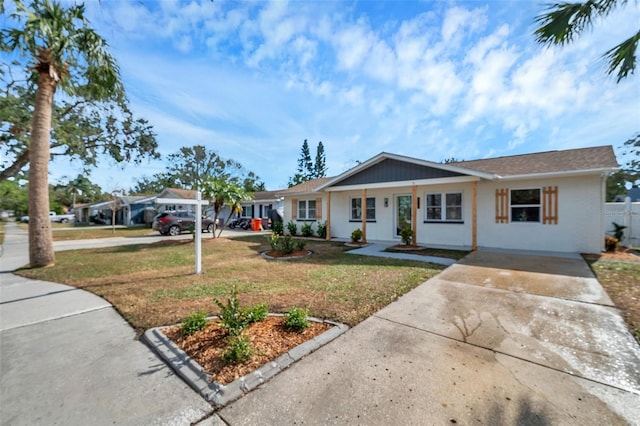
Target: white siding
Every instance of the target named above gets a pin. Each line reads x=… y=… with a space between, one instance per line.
x=579 y=227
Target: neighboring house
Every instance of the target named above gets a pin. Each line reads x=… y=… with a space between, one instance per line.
x=634 y=194
x=130 y=210
x=262 y=206
x=548 y=201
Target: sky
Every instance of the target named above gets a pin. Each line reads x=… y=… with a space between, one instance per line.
x=426 y=79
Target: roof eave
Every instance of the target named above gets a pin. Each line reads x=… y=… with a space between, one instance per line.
x=566 y=173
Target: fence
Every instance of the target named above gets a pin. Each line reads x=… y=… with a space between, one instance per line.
x=627 y=214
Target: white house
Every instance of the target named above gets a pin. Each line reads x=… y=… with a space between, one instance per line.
x=548 y=201
x=262 y=206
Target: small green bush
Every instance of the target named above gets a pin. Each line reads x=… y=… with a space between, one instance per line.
x=299 y=245
x=292 y=227
x=406 y=234
x=194 y=323
x=306 y=229
x=297 y=318
x=255 y=313
x=322 y=229
x=230 y=314
x=273 y=240
x=618 y=231
x=278 y=228
x=238 y=349
x=287 y=244
x=356 y=235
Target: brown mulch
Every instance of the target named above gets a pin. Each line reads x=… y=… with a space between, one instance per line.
x=622 y=254
x=296 y=253
x=407 y=247
x=269 y=339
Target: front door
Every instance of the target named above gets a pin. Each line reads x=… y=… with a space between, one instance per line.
x=402 y=213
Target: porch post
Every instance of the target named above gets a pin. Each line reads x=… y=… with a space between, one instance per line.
x=328 y=222
x=363 y=206
x=474 y=216
x=414 y=213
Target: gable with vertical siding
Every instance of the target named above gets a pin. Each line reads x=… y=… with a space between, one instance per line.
x=391 y=170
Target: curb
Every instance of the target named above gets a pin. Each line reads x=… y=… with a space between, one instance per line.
x=220 y=395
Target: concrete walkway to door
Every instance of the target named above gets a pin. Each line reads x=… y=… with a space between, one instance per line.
x=496 y=339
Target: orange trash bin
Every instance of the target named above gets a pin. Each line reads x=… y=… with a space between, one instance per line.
x=256 y=224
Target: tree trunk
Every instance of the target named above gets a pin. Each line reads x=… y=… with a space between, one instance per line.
x=40 y=237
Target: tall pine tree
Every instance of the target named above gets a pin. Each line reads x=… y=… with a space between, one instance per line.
x=320 y=167
x=307 y=169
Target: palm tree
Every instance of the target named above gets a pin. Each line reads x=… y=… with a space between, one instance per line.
x=222 y=192
x=564 y=21
x=65 y=53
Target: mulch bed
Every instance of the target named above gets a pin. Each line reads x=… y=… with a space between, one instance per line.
x=269 y=339
x=623 y=254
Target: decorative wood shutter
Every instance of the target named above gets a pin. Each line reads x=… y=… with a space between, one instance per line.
x=502 y=205
x=550 y=205
x=319 y=208
x=294 y=209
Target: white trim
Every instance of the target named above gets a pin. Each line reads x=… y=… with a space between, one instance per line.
x=406 y=183
x=557 y=174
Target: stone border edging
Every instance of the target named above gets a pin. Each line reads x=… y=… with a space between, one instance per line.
x=220 y=395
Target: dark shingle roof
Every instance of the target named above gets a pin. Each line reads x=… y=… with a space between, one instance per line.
x=600 y=157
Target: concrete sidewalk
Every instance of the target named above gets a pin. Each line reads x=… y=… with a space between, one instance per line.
x=68 y=358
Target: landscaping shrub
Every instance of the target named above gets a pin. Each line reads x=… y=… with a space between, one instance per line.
x=296 y=318
x=287 y=244
x=618 y=231
x=194 y=323
x=356 y=235
x=300 y=244
x=292 y=227
x=231 y=316
x=256 y=313
x=238 y=349
x=406 y=234
x=322 y=229
x=274 y=240
x=306 y=230
x=278 y=228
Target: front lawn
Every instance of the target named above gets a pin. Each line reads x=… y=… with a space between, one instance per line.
x=154 y=285
x=69 y=231
x=621 y=281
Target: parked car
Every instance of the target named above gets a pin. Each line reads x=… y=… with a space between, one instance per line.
x=173 y=223
x=54 y=217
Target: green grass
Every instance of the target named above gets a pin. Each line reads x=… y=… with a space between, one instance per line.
x=69 y=231
x=154 y=284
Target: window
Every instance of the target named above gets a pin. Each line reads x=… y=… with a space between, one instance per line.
x=306 y=209
x=446 y=207
x=247 y=211
x=356 y=208
x=525 y=205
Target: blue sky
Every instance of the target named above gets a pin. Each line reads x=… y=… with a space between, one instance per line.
x=433 y=80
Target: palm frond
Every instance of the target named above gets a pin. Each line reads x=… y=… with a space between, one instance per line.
x=622 y=58
x=561 y=22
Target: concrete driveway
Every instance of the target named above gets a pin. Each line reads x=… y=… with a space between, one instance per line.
x=496 y=339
